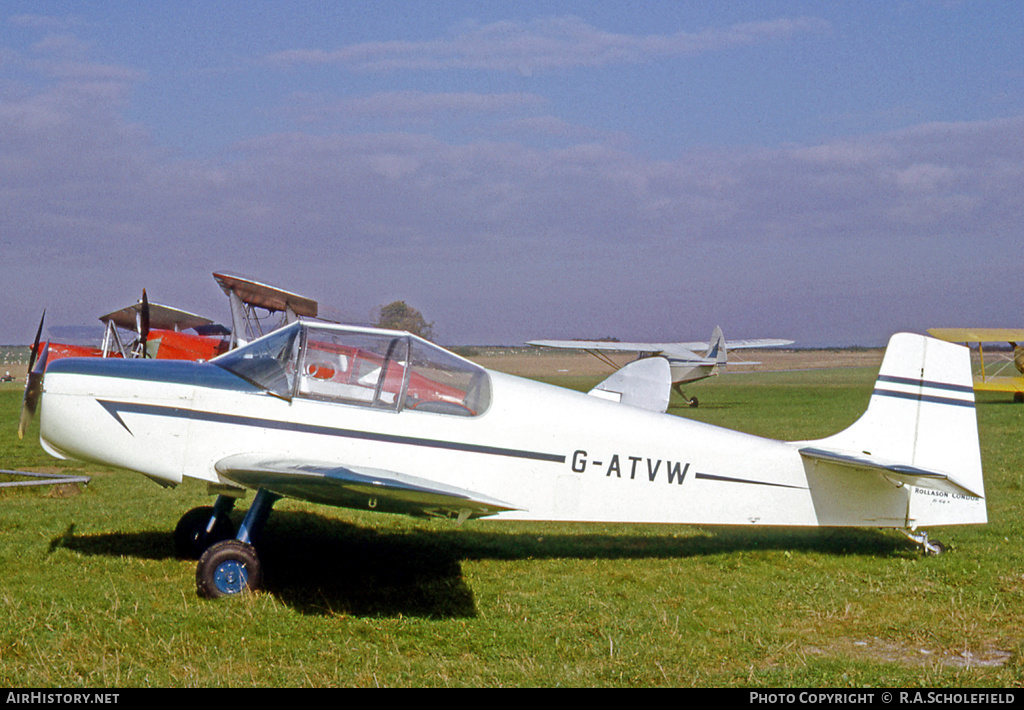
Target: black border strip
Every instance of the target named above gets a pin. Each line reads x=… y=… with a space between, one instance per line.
x=891 y=379
x=931 y=399
x=728 y=479
x=117 y=408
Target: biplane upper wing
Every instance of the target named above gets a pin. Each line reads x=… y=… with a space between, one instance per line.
x=160 y=316
x=356 y=486
x=264 y=296
x=978 y=335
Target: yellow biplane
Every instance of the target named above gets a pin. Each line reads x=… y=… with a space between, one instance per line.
x=994 y=379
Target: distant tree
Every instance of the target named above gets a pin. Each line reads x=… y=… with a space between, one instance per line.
x=401 y=316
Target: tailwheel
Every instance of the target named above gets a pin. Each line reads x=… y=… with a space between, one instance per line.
x=198 y=529
x=228 y=568
x=928 y=547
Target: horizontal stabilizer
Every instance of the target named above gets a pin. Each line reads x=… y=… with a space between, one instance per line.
x=356 y=487
x=901 y=473
x=645 y=383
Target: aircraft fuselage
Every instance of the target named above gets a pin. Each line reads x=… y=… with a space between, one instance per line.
x=549 y=453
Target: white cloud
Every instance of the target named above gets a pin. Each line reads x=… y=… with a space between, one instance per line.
x=393 y=107
x=498 y=227
x=544 y=44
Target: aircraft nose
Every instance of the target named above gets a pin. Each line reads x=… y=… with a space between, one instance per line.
x=122 y=413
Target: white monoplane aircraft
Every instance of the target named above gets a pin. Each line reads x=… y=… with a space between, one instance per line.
x=383 y=420
x=684 y=359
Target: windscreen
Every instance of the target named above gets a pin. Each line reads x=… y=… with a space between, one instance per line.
x=389 y=370
x=268 y=362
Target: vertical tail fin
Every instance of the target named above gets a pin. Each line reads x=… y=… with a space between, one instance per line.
x=716 y=347
x=920 y=427
x=644 y=383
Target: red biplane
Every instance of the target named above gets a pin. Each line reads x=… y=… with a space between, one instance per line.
x=152 y=330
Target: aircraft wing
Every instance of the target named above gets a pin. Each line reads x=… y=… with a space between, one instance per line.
x=757 y=343
x=999 y=384
x=978 y=335
x=264 y=296
x=160 y=317
x=356 y=487
x=902 y=473
x=617 y=347
x=612 y=346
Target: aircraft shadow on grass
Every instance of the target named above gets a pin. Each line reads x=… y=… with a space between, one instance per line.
x=327 y=566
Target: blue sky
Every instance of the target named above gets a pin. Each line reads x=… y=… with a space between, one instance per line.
x=823 y=171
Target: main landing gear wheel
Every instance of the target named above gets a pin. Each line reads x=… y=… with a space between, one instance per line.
x=198 y=529
x=691 y=402
x=228 y=568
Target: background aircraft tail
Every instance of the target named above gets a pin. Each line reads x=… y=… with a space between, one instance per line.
x=920 y=428
x=716 y=347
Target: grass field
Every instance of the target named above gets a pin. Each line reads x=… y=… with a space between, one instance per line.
x=91 y=593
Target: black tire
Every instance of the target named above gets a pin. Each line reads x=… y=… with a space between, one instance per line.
x=228 y=568
x=694 y=403
x=190 y=536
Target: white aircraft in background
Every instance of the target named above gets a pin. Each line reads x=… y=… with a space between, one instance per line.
x=382 y=420
x=684 y=359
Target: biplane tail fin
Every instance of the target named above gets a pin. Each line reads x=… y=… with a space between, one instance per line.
x=920 y=427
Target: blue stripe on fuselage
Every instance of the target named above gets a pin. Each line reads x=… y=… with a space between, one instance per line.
x=182 y=372
x=211 y=376
x=115 y=409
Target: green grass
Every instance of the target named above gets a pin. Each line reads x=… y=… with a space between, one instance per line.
x=91 y=593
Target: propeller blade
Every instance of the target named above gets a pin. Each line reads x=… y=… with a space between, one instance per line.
x=143 y=324
x=34 y=382
x=141 y=327
x=35 y=343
